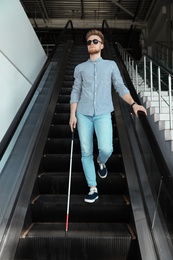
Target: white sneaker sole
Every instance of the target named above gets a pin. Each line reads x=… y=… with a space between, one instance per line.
x=91 y=201
x=102 y=176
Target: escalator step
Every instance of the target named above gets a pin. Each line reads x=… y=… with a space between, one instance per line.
x=62 y=108
x=94 y=241
x=61 y=118
x=57 y=183
x=63 y=131
x=74 y=63
x=64 y=99
x=69 y=78
x=59 y=162
x=68 y=85
x=107 y=209
x=60 y=131
x=62 y=146
x=69 y=71
x=65 y=90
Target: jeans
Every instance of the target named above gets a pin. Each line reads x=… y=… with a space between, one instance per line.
x=102 y=125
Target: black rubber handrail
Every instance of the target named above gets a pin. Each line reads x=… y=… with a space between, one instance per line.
x=157 y=153
x=12 y=128
x=109 y=32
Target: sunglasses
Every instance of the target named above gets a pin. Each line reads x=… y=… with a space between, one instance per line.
x=95 y=41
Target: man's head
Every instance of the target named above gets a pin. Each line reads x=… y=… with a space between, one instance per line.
x=95 y=32
x=95 y=41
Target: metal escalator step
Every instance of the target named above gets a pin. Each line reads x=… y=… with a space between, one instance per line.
x=80 y=54
x=61 y=119
x=60 y=131
x=64 y=99
x=87 y=230
x=65 y=90
x=63 y=131
x=59 y=162
x=69 y=78
x=84 y=241
x=62 y=146
x=74 y=63
x=54 y=163
x=57 y=183
x=70 y=66
x=69 y=71
x=107 y=209
x=62 y=108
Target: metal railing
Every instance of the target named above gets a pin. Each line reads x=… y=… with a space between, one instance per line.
x=148 y=75
x=163 y=52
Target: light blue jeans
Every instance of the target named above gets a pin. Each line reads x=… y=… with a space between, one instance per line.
x=102 y=125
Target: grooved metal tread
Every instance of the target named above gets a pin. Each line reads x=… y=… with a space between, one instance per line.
x=80 y=230
x=77 y=199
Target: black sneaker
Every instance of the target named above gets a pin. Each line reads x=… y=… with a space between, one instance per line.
x=92 y=196
x=102 y=170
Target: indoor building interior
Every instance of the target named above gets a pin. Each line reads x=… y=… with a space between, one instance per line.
x=43 y=215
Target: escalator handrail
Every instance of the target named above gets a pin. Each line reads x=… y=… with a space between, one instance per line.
x=164 y=171
x=12 y=128
x=105 y=24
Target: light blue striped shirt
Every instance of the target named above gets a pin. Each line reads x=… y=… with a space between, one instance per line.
x=92 y=86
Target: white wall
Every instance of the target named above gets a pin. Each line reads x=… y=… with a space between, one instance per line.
x=21 y=59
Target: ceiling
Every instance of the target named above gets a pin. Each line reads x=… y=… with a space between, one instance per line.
x=86 y=13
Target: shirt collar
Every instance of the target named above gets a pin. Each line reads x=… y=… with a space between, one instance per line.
x=98 y=59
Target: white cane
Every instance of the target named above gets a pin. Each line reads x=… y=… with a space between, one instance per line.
x=69 y=183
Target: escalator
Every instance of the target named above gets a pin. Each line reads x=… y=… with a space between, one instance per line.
x=104 y=230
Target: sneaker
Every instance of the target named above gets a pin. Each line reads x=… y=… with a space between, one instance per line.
x=92 y=196
x=102 y=170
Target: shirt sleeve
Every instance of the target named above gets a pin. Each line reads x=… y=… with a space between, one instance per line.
x=118 y=82
x=77 y=86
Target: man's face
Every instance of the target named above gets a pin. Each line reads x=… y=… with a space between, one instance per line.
x=95 y=48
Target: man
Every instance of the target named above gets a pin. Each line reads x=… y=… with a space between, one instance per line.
x=91 y=106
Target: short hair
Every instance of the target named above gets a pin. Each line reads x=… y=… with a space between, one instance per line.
x=95 y=32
